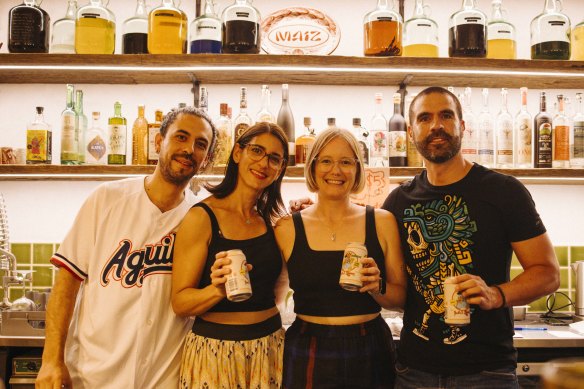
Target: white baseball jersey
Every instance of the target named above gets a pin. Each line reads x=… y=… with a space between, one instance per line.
x=124 y=333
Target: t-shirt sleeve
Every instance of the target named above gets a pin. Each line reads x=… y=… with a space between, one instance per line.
x=524 y=221
x=389 y=203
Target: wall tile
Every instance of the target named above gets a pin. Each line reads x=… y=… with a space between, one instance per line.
x=562 y=255
x=43 y=276
x=42 y=253
x=22 y=251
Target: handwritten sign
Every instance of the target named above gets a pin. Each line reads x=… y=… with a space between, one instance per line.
x=376 y=188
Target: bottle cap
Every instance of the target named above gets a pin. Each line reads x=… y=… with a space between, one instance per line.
x=223 y=109
x=307 y=121
x=331 y=121
x=40 y=110
x=357 y=121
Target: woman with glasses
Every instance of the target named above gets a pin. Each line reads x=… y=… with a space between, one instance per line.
x=339 y=339
x=234 y=344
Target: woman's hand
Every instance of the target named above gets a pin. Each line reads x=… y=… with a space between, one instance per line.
x=370 y=275
x=220 y=270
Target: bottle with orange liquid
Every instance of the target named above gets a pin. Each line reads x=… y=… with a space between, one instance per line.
x=421 y=33
x=167 y=29
x=95 y=29
x=383 y=31
x=501 y=41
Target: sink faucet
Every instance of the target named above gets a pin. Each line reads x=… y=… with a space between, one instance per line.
x=10 y=278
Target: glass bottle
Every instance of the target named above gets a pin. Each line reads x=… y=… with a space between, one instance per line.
x=204 y=99
x=167 y=29
x=504 y=134
x=486 y=136
x=206 y=30
x=414 y=157
x=224 y=137
x=39 y=140
x=561 y=137
x=577 y=141
x=304 y=142
x=467 y=33
x=80 y=125
x=382 y=30
x=398 y=142
x=550 y=33
x=470 y=138
x=243 y=121
x=421 y=33
x=69 y=135
x=578 y=42
x=117 y=136
x=140 y=138
x=28 y=28
x=501 y=41
x=135 y=38
x=542 y=136
x=153 y=129
x=523 y=134
x=264 y=114
x=95 y=29
x=362 y=136
x=63 y=37
x=379 y=150
x=95 y=143
x=286 y=122
x=241 y=28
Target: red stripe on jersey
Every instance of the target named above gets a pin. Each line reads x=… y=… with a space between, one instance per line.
x=62 y=265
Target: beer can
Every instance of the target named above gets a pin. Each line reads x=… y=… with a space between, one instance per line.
x=351 y=268
x=238 y=286
x=456 y=308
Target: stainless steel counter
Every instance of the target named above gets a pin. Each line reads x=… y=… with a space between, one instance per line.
x=535 y=333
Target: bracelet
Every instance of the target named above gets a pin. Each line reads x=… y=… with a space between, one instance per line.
x=502 y=295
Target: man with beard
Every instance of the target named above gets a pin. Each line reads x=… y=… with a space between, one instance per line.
x=462 y=220
x=109 y=319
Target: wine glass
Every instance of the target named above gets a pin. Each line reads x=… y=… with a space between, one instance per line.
x=24 y=303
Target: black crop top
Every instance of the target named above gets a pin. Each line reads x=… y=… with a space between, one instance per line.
x=261 y=251
x=314 y=275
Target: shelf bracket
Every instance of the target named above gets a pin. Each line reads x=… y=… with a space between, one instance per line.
x=403 y=90
x=195 y=89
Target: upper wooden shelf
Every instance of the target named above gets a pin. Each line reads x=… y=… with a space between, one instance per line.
x=276 y=69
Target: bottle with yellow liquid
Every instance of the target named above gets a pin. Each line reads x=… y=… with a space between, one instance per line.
x=501 y=41
x=383 y=31
x=578 y=42
x=421 y=33
x=95 y=29
x=167 y=29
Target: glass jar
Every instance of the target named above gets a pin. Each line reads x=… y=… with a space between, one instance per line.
x=578 y=42
x=135 y=38
x=95 y=29
x=167 y=29
x=467 y=33
x=421 y=33
x=241 y=28
x=206 y=31
x=382 y=31
x=501 y=41
x=550 y=33
x=28 y=28
x=63 y=38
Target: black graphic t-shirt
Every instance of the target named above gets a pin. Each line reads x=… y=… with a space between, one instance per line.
x=465 y=227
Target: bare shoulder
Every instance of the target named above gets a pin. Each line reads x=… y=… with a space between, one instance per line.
x=384 y=217
x=283 y=224
x=195 y=221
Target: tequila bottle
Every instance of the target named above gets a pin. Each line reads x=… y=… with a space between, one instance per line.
x=362 y=136
x=523 y=134
x=63 y=38
x=561 y=137
x=398 y=142
x=69 y=135
x=167 y=29
x=28 y=28
x=304 y=142
x=542 y=136
x=224 y=137
x=382 y=29
x=117 y=136
x=504 y=134
x=95 y=143
x=379 y=151
x=550 y=33
x=420 y=33
x=39 y=140
x=204 y=99
x=577 y=141
x=95 y=29
x=264 y=114
x=241 y=28
x=153 y=129
x=470 y=138
x=243 y=121
x=286 y=122
x=467 y=33
x=140 y=138
x=578 y=42
x=135 y=38
x=501 y=34
x=80 y=125
x=486 y=136
x=206 y=31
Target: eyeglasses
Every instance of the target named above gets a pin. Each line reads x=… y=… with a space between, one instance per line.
x=345 y=164
x=257 y=153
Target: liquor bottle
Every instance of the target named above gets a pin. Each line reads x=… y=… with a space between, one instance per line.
x=243 y=121
x=39 y=140
x=167 y=29
x=561 y=137
x=206 y=31
x=224 y=137
x=95 y=143
x=286 y=122
x=63 y=37
x=486 y=137
x=204 y=99
x=504 y=134
x=117 y=136
x=95 y=29
x=382 y=30
x=414 y=157
x=501 y=41
x=331 y=123
x=542 y=136
x=577 y=141
x=523 y=134
x=241 y=28
x=135 y=38
x=421 y=33
x=69 y=135
x=264 y=114
x=28 y=28
x=467 y=33
x=550 y=33
x=578 y=42
x=379 y=150
x=398 y=141
x=304 y=142
x=80 y=126
x=470 y=138
x=362 y=136
x=153 y=129
x=140 y=138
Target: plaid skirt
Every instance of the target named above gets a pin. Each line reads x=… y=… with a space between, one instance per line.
x=339 y=356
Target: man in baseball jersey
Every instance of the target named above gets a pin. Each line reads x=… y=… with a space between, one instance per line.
x=109 y=320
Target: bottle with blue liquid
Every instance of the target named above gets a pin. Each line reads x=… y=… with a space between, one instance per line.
x=206 y=32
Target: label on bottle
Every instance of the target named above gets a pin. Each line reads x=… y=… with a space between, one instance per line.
x=68 y=134
x=95 y=150
x=117 y=139
x=505 y=143
x=555 y=30
x=544 y=145
x=486 y=143
x=152 y=154
x=207 y=29
x=523 y=146
x=398 y=146
x=500 y=32
x=379 y=144
x=25 y=26
x=240 y=13
x=38 y=146
x=469 y=146
x=578 y=140
x=561 y=135
x=239 y=129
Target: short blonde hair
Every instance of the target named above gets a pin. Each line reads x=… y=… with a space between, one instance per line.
x=323 y=139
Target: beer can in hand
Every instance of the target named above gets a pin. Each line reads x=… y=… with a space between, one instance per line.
x=351 y=268
x=238 y=286
x=456 y=308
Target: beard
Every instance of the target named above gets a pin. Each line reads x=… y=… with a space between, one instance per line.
x=439 y=153
x=178 y=177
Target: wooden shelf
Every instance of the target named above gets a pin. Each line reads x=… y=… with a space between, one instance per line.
x=276 y=69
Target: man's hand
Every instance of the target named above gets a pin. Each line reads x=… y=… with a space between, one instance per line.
x=53 y=376
x=477 y=292
x=300 y=204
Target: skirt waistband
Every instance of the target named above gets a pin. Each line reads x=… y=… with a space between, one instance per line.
x=236 y=331
x=338 y=331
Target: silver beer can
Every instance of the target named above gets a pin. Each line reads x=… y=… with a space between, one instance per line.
x=351 y=268
x=238 y=286
x=456 y=308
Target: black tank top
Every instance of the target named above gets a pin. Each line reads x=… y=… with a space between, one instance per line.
x=261 y=251
x=314 y=275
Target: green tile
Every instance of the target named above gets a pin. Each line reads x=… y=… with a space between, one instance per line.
x=538 y=305
x=515 y=272
x=42 y=253
x=564 y=278
x=15 y=293
x=562 y=255
x=22 y=252
x=43 y=276
x=577 y=253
